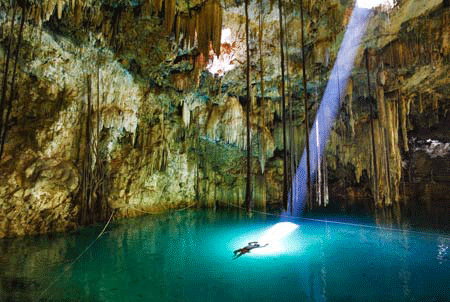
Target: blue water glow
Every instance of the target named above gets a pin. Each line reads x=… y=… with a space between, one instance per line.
x=188 y=256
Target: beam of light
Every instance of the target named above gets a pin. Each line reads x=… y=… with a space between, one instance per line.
x=275 y=237
x=330 y=104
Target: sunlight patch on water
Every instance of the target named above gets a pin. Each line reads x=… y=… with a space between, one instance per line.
x=277 y=232
x=276 y=237
x=165 y=258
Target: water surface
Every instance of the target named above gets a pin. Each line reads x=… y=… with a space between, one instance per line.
x=187 y=256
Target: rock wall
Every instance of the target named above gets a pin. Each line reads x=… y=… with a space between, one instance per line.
x=99 y=127
x=117 y=111
x=408 y=68
x=46 y=138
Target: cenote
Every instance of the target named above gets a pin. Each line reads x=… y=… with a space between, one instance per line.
x=224 y=150
x=187 y=256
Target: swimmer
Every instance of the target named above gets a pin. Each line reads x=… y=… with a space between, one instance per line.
x=251 y=245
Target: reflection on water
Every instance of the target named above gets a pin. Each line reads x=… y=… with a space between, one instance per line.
x=187 y=256
x=416 y=215
x=429 y=211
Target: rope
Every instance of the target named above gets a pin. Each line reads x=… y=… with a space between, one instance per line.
x=76 y=259
x=239 y=207
x=341 y=223
x=95 y=240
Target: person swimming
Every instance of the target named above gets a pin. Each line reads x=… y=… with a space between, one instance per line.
x=246 y=249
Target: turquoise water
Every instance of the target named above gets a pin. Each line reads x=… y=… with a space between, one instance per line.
x=187 y=256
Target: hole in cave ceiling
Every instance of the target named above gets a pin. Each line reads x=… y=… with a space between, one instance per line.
x=374 y=3
x=225 y=62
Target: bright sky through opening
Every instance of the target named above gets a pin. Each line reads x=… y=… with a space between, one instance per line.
x=373 y=3
x=224 y=63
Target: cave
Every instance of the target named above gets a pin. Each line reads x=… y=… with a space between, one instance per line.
x=221 y=150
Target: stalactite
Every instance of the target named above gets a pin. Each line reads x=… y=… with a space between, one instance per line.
x=179 y=27
x=45 y=9
x=202 y=35
x=205 y=24
x=169 y=14
x=374 y=157
x=202 y=22
x=36 y=14
x=185 y=29
x=208 y=20
x=188 y=32
x=157 y=5
x=78 y=12
x=60 y=7
x=215 y=16
x=147 y=7
x=435 y=107
x=192 y=28
x=349 y=104
x=217 y=29
x=51 y=5
x=325 y=181
x=404 y=111
x=420 y=102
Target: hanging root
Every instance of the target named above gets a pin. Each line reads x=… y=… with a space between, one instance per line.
x=12 y=92
x=94 y=178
